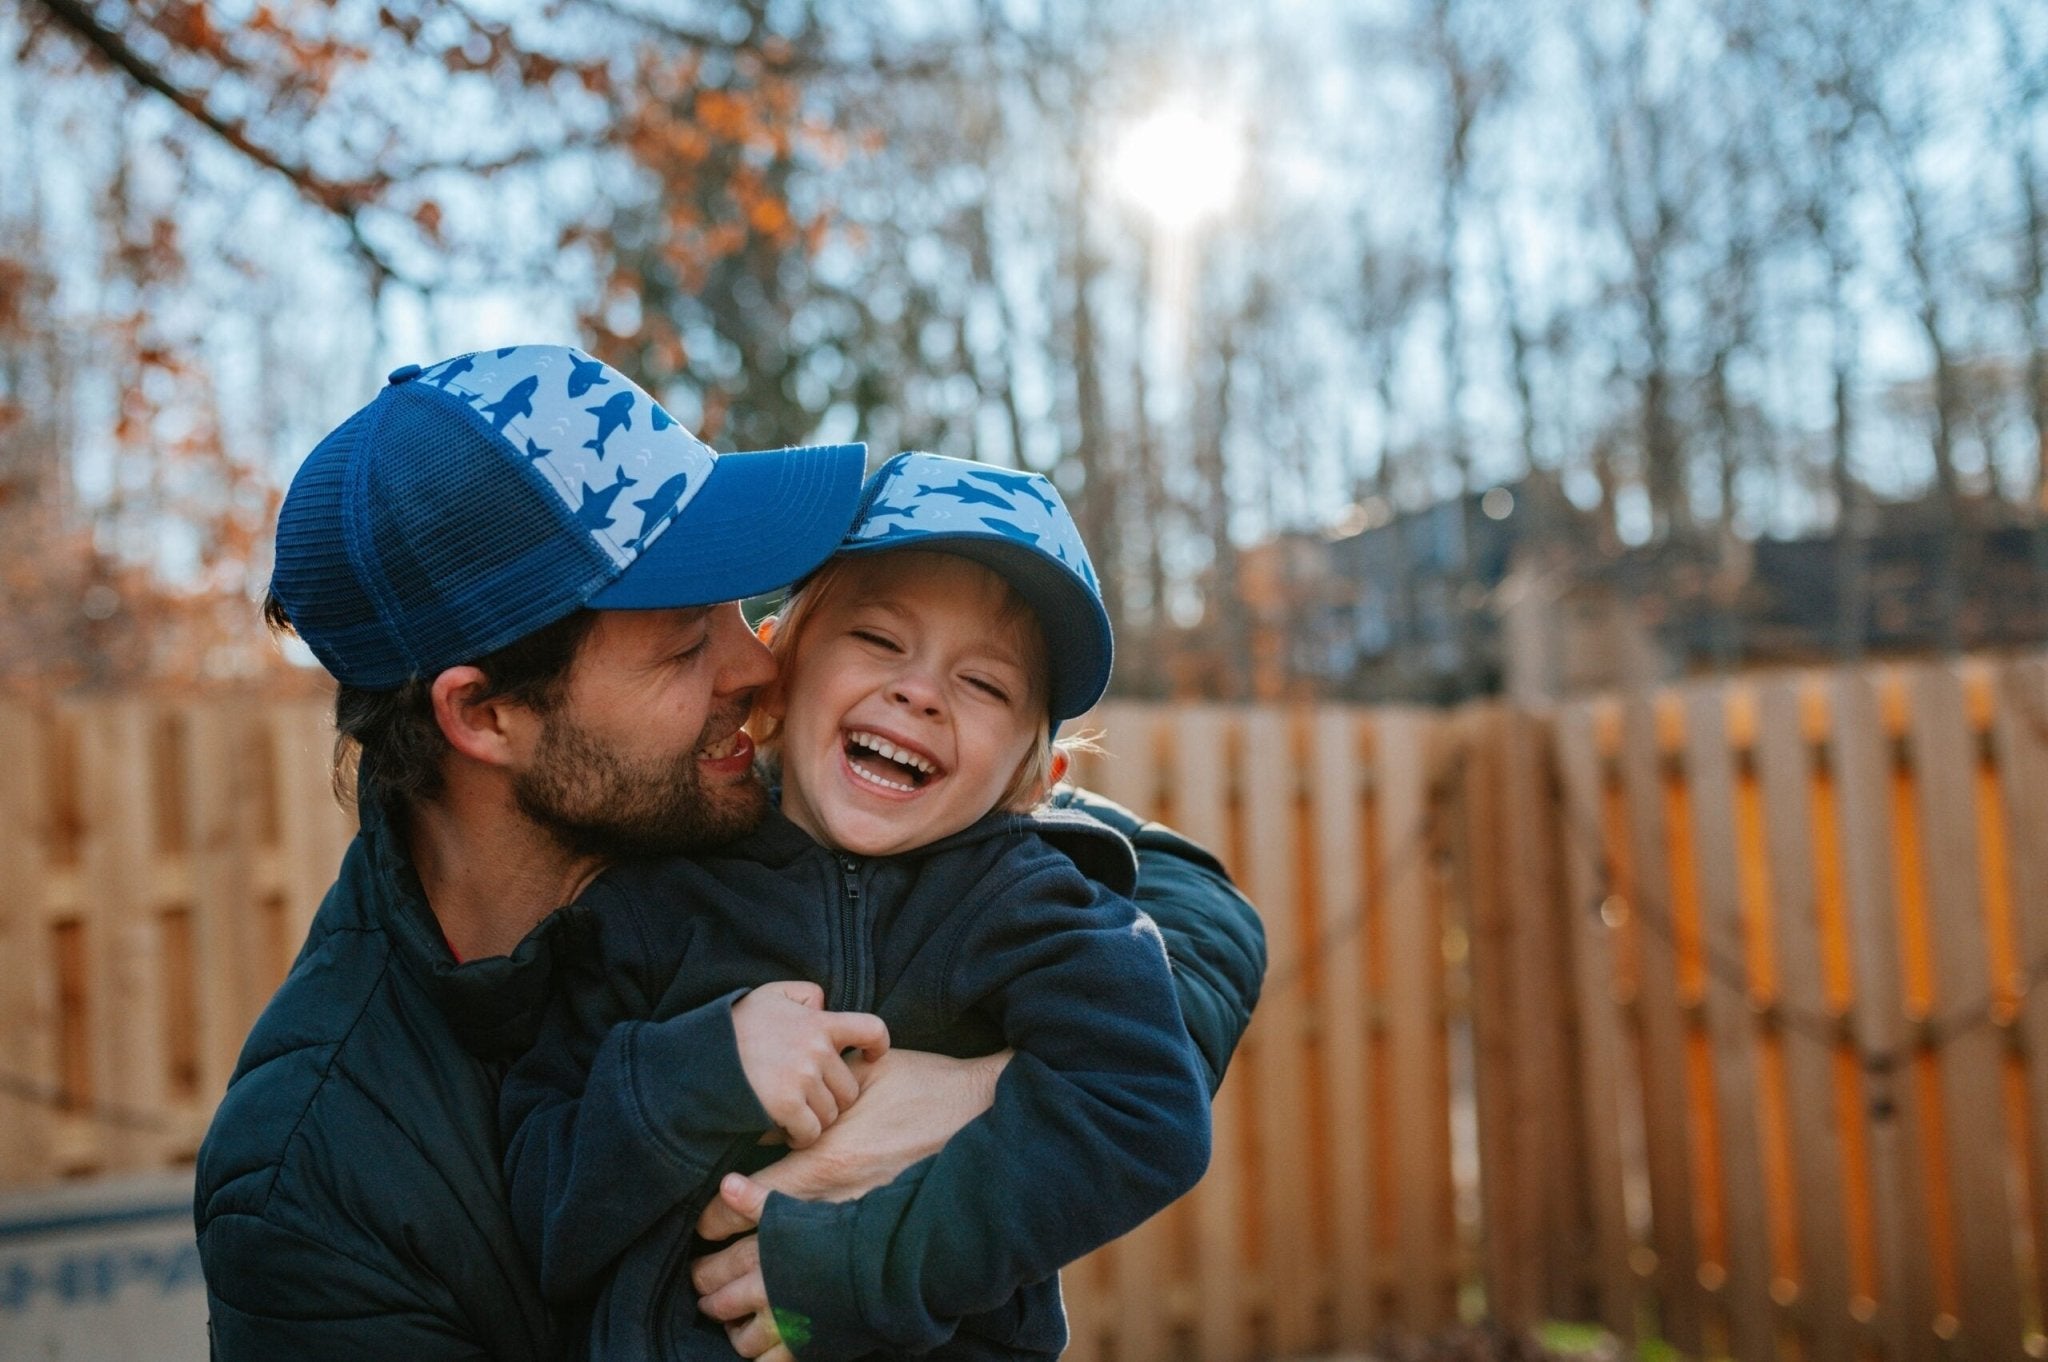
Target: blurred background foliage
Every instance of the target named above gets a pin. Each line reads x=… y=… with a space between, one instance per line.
x=1687 y=333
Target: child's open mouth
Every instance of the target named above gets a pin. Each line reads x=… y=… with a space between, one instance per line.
x=880 y=762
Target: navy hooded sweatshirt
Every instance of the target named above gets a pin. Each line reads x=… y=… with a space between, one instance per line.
x=992 y=937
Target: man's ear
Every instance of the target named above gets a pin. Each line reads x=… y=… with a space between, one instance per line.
x=482 y=729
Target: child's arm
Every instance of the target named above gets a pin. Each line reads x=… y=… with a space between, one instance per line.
x=613 y=1120
x=1100 y=1120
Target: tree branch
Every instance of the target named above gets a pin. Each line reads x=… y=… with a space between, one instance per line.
x=342 y=201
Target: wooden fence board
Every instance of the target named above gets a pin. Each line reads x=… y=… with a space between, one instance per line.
x=28 y=1037
x=1861 y=755
x=1413 y=1010
x=1746 y=1261
x=1990 y=1325
x=1508 y=1166
x=1593 y=974
x=1269 y=776
x=1784 y=766
x=1674 y=1234
x=122 y=999
x=1342 y=1014
x=2020 y=735
x=1220 y=1328
x=223 y=859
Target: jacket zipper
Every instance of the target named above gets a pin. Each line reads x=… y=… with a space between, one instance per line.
x=858 y=993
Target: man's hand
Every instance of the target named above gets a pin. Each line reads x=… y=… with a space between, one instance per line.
x=730 y=1287
x=910 y=1105
x=790 y=1051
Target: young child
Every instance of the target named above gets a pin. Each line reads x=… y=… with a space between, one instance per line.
x=907 y=871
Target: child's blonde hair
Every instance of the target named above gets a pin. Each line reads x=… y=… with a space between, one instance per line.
x=1045 y=762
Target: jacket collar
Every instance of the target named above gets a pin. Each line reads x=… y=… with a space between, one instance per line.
x=494 y=1004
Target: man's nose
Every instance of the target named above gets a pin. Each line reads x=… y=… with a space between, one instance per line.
x=744 y=662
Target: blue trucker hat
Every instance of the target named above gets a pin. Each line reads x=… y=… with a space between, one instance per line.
x=1015 y=523
x=479 y=499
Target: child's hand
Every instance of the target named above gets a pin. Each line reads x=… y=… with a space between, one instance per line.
x=790 y=1052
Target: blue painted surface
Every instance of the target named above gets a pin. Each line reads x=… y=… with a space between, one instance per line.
x=102 y=1272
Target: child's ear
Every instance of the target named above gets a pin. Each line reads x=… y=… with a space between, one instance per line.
x=1061 y=764
x=765 y=630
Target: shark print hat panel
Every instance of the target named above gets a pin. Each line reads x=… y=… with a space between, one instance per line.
x=622 y=465
x=476 y=500
x=1015 y=522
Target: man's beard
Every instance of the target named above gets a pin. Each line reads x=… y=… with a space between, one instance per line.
x=596 y=803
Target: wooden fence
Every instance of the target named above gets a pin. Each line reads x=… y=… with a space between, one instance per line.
x=1707 y=1012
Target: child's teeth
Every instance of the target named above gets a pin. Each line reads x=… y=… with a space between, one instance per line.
x=882 y=747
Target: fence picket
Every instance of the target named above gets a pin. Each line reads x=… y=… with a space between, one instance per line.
x=1509 y=1168
x=1592 y=950
x=1747 y=1256
x=2020 y=735
x=1904 y=1310
x=1221 y=1331
x=1990 y=1322
x=28 y=1037
x=1413 y=1009
x=1270 y=876
x=1674 y=1233
x=1342 y=1015
x=1784 y=766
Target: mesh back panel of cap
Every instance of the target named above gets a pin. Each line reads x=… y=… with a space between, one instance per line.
x=473 y=551
x=463 y=549
x=313 y=576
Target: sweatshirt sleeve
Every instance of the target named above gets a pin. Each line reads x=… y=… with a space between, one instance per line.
x=611 y=1120
x=1213 y=934
x=1100 y=1120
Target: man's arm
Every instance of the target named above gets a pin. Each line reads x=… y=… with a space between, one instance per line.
x=273 y=1292
x=1214 y=938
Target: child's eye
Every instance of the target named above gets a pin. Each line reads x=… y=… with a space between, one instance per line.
x=878 y=640
x=989 y=688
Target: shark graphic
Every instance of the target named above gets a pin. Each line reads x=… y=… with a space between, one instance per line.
x=596 y=511
x=534 y=453
x=453 y=370
x=889 y=532
x=615 y=414
x=506 y=351
x=966 y=491
x=1024 y=483
x=1011 y=531
x=518 y=401
x=585 y=374
x=656 y=510
x=662 y=420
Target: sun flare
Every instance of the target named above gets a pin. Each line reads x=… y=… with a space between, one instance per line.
x=1180 y=166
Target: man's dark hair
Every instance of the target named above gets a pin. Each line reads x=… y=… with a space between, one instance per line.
x=396 y=728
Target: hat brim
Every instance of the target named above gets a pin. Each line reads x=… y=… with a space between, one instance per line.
x=1080 y=646
x=760 y=521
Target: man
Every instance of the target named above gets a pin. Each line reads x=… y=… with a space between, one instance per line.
x=523 y=574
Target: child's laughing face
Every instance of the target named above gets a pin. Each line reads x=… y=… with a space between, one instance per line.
x=910 y=699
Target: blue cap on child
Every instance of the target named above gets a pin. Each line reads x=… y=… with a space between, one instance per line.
x=1015 y=523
